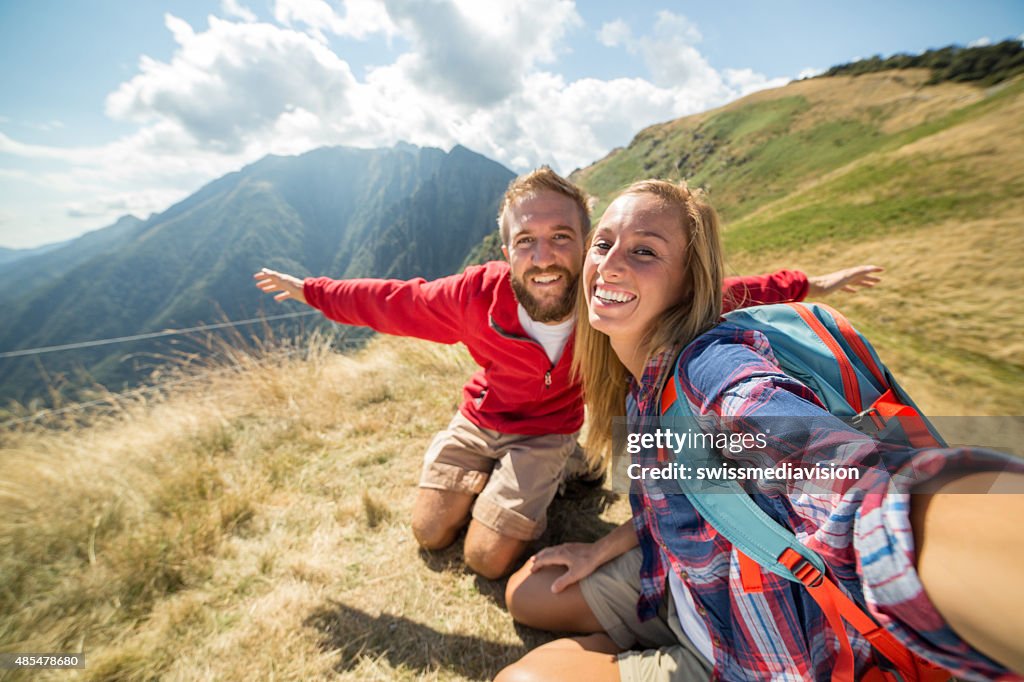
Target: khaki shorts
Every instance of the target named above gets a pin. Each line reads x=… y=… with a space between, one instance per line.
x=664 y=652
x=515 y=477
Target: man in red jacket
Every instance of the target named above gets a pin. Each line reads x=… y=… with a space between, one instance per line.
x=499 y=463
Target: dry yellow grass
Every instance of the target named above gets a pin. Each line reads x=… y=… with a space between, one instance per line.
x=255 y=526
x=898 y=98
x=945 y=307
x=947 y=318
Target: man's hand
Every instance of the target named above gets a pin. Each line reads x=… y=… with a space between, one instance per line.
x=850 y=280
x=579 y=558
x=270 y=281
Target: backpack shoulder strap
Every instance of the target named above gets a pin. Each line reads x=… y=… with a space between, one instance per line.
x=761 y=542
x=726 y=506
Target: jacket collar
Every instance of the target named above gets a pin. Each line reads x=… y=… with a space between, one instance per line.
x=504 y=311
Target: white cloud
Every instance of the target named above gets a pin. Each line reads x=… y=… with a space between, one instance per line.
x=234 y=10
x=476 y=74
x=477 y=53
x=228 y=85
x=45 y=126
x=616 y=34
x=673 y=60
x=675 y=26
x=746 y=81
x=980 y=42
x=32 y=151
x=362 y=18
x=571 y=124
x=116 y=204
x=809 y=72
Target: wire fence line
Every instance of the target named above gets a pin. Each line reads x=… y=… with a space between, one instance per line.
x=151 y=335
x=113 y=398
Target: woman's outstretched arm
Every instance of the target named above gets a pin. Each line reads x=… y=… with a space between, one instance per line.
x=926 y=596
x=970 y=559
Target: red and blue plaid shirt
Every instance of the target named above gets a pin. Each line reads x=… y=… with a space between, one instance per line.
x=864 y=536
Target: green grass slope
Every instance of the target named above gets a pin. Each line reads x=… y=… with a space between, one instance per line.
x=926 y=180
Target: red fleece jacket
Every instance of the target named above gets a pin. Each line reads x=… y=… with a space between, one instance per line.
x=517 y=389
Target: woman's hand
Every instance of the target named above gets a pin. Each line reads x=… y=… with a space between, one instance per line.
x=579 y=558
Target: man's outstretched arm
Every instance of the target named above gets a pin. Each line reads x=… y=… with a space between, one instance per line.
x=850 y=280
x=783 y=286
x=289 y=286
x=427 y=310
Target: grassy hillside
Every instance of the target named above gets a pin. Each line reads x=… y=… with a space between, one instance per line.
x=925 y=180
x=254 y=526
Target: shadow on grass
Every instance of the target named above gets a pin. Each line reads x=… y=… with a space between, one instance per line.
x=576 y=517
x=405 y=644
x=445 y=560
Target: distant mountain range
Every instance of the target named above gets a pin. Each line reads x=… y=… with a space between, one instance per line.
x=399 y=212
x=32 y=268
x=14 y=255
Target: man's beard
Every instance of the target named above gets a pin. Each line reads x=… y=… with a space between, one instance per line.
x=553 y=312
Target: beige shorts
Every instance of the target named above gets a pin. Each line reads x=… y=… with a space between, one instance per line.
x=659 y=649
x=515 y=477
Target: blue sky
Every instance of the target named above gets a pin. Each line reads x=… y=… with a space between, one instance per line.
x=115 y=107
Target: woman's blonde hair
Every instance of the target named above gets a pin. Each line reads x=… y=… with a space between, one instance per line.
x=603 y=375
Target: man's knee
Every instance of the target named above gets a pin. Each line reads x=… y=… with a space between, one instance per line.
x=487 y=565
x=431 y=535
x=489 y=553
x=438 y=515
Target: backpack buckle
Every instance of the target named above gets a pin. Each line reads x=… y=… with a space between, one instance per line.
x=869 y=422
x=803 y=569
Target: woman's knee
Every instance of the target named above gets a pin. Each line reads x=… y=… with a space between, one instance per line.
x=585 y=658
x=522 y=592
x=530 y=601
x=519 y=671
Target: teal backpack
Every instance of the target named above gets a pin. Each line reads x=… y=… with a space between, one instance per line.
x=818 y=346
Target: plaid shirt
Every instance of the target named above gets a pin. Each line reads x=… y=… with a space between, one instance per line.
x=864 y=536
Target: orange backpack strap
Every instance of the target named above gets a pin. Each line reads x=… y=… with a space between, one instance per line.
x=889 y=405
x=838 y=607
x=855 y=341
x=849 y=376
x=750 y=573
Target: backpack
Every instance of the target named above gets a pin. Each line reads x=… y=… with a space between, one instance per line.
x=818 y=346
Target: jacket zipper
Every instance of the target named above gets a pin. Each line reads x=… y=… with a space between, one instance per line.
x=499 y=330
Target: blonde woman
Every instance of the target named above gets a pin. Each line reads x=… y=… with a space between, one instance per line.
x=660 y=598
